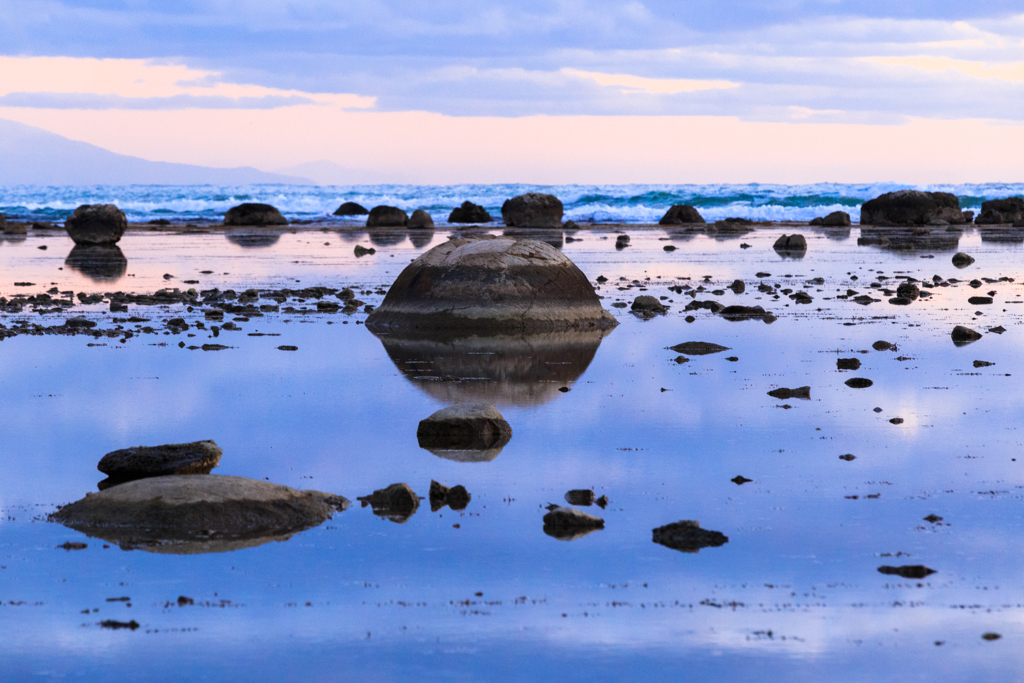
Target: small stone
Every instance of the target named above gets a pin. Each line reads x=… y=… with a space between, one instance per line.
x=583 y=497
x=784 y=394
x=979 y=300
x=915 y=571
x=883 y=346
x=962 y=335
x=360 y=251
x=933 y=519
x=696 y=348
x=848 y=363
x=464 y=426
x=602 y=502
x=849 y=457
x=982 y=363
x=962 y=260
x=647 y=307
x=687 y=536
x=568 y=524
x=990 y=636
x=740 y=480
x=858 y=383
x=896 y=420
x=397 y=502
x=72 y=546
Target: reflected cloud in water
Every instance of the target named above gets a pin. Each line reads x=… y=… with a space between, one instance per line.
x=100 y=263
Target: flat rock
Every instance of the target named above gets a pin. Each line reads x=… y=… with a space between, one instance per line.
x=93 y=224
x=913 y=571
x=493 y=285
x=197 y=513
x=697 y=348
x=470 y=213
x=397 y=502
x=737 y=313
x=351 y=209
x=252 y=213
x=784 y=394
x=464 y=427
x=687 y=536
x=137 y=462
x=532 y=210
x=681 y=214
x=568 y=524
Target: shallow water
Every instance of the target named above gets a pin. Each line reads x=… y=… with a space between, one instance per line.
x=794 y=593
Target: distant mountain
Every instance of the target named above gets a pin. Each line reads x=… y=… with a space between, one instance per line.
x=325 y=172
x=33 y=156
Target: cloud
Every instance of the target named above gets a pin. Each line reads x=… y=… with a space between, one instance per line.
x=90 y=101
x=653 y=86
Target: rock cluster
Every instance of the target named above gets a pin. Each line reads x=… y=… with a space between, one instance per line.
x=996 y=211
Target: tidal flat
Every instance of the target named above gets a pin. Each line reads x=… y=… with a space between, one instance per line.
x=303 y=395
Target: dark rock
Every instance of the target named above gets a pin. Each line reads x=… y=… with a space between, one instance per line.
x=849 y=457
x=997 y=330
x=836 y=219
x=199 y=513
x=621 y=241
x=790 y=244
x=817 y=221
x=569 y=524
x=397 y=502
x=68 y=545
x=473 y=213
x=93 y=224
x=785 y=394
x=647 y=307
x=858 y=383
x=494 y=285
x=740 y=480
x=532 y=210
x=698 y=348
x=464 y=427
x=983 y=364
x=933 y=518
x=584 y=497
x=964 y=335
x=669 y=247
x=351 y=209
x=361 y=251
x=998 y=211
x=911 y=207
x=990 y=636
x=687 y=536
x=456 y=497
x=386 y=217
x=737 y=313
x=911 y=571
x=962 y=260
x=602 y=502
x=979 y=300
x=883 y=346
x=197 y=457
x=738 y=287
x=254 y=214
x=681 y=214
x=908 y=290
x=896 y=421
x=419 y=220
x=848 y=363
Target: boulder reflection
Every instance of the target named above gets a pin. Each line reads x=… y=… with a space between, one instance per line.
x=916 y=238
x=100 y=263
x=499 y=369
x=249 y=239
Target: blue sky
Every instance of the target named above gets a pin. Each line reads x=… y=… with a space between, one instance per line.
x=834 y=62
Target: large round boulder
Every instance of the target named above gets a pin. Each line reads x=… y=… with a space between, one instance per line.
x=532 y=210
x=997 y=211
x=96 y=224
x=912 y=207
x=420 y=220
x=197 y=513
x=490 y=284
x=681 y=214
x=255 y=214
x=836 y=219
x=387 y=217
x=351 y=209
x=469 y=213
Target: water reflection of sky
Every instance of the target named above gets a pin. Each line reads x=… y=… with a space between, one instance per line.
x=390 y=601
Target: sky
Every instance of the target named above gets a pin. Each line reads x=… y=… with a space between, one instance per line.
x=528 y=91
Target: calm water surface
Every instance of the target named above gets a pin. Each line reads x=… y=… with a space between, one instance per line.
x=484 y=594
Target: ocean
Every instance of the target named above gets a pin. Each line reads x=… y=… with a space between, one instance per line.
x=583 y=203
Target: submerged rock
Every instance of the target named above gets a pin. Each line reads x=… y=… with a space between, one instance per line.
x=469 y=213
x=647 y=307
x=784 y=394
x=397 y=502
x=93 y=224
x=493 y=285
x=252 y=213
x=464 y=427
x=964 y=335
x=695 y=348
x=200 y=513
x=687 y=536
x=138 y=462
x=913 y=571
x=568 y=524
x=681 y=214
x=532 y=210
x=351 y=209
